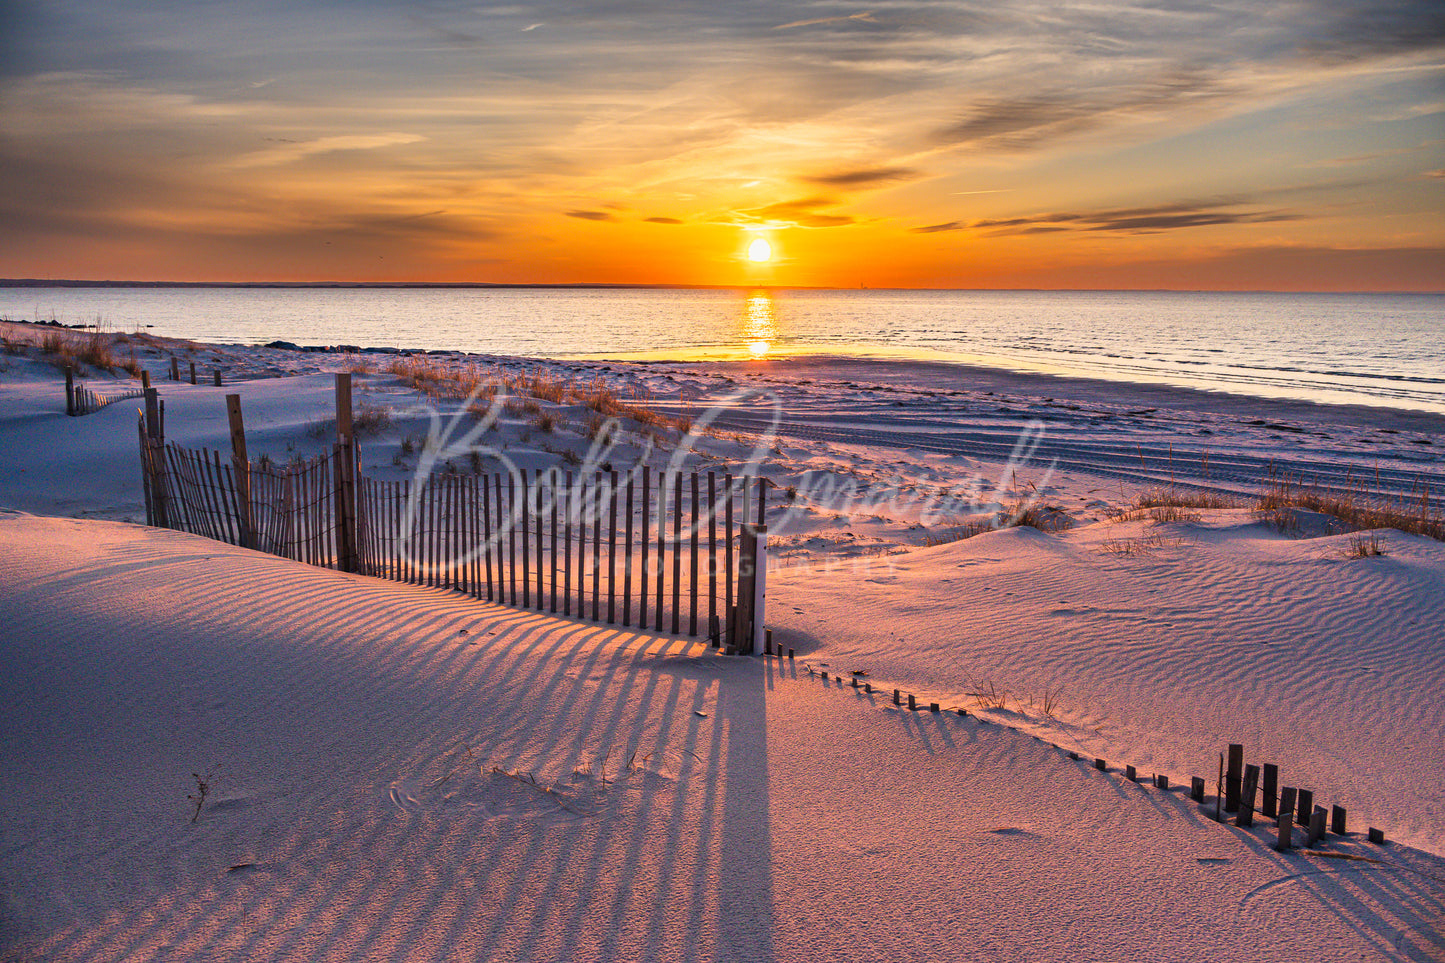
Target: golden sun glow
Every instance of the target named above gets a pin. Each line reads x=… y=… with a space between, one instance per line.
x=760 y=250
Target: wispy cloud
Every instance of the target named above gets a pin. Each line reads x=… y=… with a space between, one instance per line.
x=295 y=151
x=592 y=215
x=863 y=177
x=866 y=17
x=1132 y=220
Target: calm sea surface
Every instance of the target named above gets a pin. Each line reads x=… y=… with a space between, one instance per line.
x=1375 y=349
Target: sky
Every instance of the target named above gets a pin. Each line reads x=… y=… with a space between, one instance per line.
x=906 y=143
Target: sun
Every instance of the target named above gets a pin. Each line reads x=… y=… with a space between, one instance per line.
x=760 y=250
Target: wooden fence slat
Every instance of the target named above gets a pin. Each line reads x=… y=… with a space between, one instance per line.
x=487 y=532
x=583 y=512
x=612 y=550
x=567 y=549
x=728 y=544
x=526 y=551
x=642 y=571
x=661 y=539
x=711 y=548
x=676 y=552
x=556 y=499
x=693 y=527
x=627 y=560
x=595 y=509
x=511 y=523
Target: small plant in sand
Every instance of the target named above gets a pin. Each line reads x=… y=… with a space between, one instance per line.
x=1143 y=545
x=1045 y=518
x=1046 y=702
x=370 y=419
x=203 y=791
x=988 y=696
x=1366 y=545
x=545 y=422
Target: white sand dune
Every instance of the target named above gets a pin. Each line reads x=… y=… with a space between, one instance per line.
x=1199 y=635
x=369 y=748
x=350 y=727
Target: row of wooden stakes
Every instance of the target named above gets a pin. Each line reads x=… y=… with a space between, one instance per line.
x=1235 y=793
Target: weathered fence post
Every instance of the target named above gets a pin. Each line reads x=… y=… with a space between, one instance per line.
x=751 y=557
x=242 y=468
x=1245 y=816
x=69 y=390
x=1233 y=776
x=175 y=368
x=156 y=439
x=345 y=479
x=1271 y=785
x=216 y=376
x=145 y=379
x=193 y=372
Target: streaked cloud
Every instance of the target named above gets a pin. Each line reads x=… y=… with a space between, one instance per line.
x=292 y=151
x=863 y=177
x=234 y=121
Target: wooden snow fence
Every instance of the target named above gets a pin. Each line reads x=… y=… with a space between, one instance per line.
x=80 y=400
x=667 y=551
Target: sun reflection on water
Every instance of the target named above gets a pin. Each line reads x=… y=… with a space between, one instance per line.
x=760 y=324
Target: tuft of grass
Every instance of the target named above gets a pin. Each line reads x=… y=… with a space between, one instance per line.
x=1046 y=702
x=1172 y=497
x=545 y=422
x=957 y=533
x=1367 y=545
x=1357 y=510
x=370 y=419
x=1045 y=518
x=1144 y=545
x=988 y=696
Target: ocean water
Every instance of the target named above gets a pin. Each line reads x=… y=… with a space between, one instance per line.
x=1377 y=349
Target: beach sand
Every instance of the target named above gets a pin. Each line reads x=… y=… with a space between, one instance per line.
x=400 y=772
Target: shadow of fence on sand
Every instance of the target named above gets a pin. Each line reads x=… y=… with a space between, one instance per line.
x=451 y=779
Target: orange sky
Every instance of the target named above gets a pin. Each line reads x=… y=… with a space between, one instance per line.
x=906 y=145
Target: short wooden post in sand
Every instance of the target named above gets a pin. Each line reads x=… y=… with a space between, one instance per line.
x=1245 y=816
x=1306 y=807
x=1286 y=803
x=1271 y=786
x=1286 y=829
x=69 y=390
x=175 y=368
x=1337 y=820
x=193 y=372
x=1233 y=776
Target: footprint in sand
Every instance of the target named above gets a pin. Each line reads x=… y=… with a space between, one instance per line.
x=403 y=795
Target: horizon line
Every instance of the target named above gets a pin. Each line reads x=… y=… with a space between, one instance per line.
x=609 y=285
